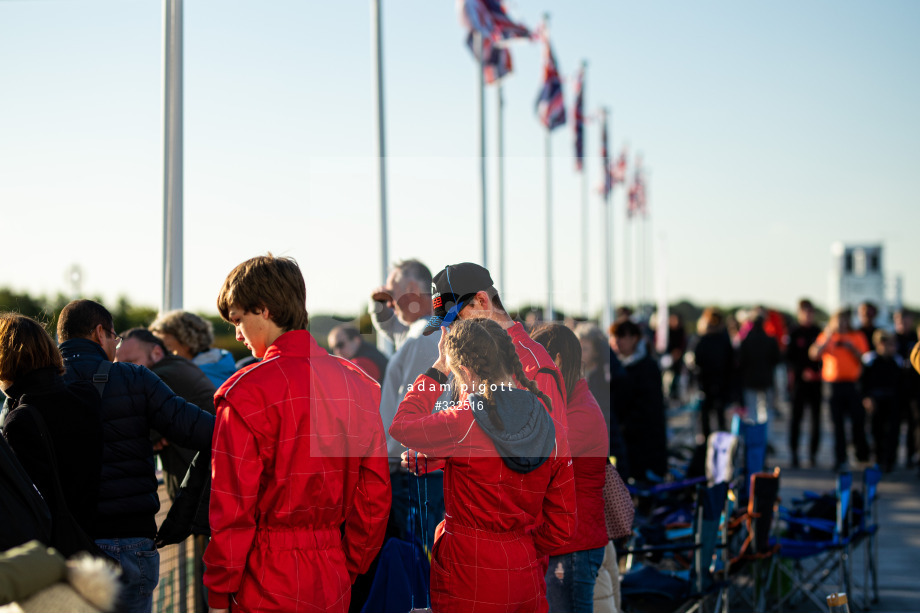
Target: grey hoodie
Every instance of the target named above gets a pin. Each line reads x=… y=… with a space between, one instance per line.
x=528 y=435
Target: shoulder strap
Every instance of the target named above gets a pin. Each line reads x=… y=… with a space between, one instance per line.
x=555 y=375
x=101 y=377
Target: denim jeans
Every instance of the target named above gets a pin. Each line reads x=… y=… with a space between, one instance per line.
x=570 y=580
x=140 y=571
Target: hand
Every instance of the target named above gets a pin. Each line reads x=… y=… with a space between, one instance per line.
x=159 y=445
x=869 y=405
x=382 y=295
x=218 y=610
x=441 y=363
x=410 y=459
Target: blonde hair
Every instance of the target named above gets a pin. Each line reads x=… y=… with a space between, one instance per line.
x=188 y=329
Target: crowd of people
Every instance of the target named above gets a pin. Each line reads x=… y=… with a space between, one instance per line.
x=297 y=466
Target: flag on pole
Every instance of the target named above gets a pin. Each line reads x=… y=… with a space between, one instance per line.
x=579 y=115
x=618 y=169
x=550 y=104
x=497 y=60
x=637 y=202
x=488 y=17
x=605 y=159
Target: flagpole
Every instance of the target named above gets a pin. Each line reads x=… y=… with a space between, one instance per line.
x=172 y=155
x=383 y=343
x=548 y=316
x=608 y=204
x=481 y=91
x=500 y=124
x=584 y=206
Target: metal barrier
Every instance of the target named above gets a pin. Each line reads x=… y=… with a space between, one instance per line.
x=181 y=570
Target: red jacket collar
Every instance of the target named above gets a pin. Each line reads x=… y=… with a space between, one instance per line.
x=294 y=343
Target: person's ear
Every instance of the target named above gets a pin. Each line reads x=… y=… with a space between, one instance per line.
x=98 y=334
x=482 y=300
x=157 y=354
x=558 y=360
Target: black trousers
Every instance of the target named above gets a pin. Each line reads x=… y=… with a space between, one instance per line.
x=714 y=401
x=805 y=394
x=846 y=404
x=886 y=427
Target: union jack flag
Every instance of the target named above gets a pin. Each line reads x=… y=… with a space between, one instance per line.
x=579 y=115
x=637 y=202
x=497 y=62
x=618 y=169
x=550 y=104
x=488 y=17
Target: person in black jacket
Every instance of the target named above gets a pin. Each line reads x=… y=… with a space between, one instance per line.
x=757 y=360
x=714 y=358
x=134 y=401
x=881 y=383
x=806 y=381
x=639 y=406
x=54 y=429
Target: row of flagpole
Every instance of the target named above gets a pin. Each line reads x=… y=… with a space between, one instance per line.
x=489 y=28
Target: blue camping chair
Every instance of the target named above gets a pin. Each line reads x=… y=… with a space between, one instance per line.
x=866 y=532
x=816 y=547
x=650 y=588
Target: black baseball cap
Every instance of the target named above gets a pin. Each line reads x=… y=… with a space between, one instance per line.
x=452 y=289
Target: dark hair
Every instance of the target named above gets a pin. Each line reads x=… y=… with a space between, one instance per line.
x=625 y=328
x=416 y=270
x=24 y=347
x=482 y=346
x=805 y=304
x=559 y=339
x=267 y=282
x=144 y=335
x=495 y=298
x=80 y=318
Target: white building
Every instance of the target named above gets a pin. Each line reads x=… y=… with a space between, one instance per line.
x=857 y=275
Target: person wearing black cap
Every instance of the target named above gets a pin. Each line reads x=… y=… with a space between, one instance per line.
x=464 y=291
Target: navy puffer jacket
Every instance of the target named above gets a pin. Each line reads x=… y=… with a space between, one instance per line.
x=135 y=401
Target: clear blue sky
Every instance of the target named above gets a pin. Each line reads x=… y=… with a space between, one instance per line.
x=769 y=130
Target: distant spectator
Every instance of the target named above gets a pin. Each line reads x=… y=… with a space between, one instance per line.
x=906 y=338
x=677 y=345
x=881 y=385
x=640 y=407
x=346 y=342
x=190 y=336
x=42 y=409
x=714 y=358
x=866 y=313
x=758 y=357
x=841 y=350
x=806 y=381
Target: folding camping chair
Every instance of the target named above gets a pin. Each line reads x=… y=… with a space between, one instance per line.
x=657 y=589
x=815 y=547
x=866 y=532
x=755 y=558
x=754 y=439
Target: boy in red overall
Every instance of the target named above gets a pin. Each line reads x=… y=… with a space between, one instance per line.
x=300 y=489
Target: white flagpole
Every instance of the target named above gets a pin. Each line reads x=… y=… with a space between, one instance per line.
x=606 y=316
x=383 y=344
x=172 y=155
x=548 y=316
x=500 y=123
x=584 y=203
x=636 y=252
x=478 y=42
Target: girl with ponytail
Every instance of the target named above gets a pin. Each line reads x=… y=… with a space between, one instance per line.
x=497 y=447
